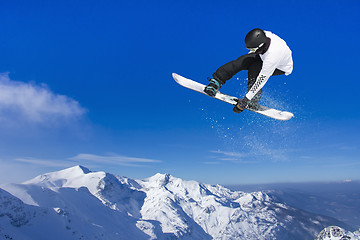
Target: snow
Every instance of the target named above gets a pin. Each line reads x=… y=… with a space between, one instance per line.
x=76 y=203
x=336 y=233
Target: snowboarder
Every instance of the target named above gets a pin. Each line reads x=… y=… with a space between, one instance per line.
x=269 y=56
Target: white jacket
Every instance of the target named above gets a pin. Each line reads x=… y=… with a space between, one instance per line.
x=278 y=56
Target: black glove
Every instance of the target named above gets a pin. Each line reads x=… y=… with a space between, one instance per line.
x=241 y=105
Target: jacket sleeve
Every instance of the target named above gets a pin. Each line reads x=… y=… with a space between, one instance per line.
x=229 y=69
x=260 y=82
x=267 y=70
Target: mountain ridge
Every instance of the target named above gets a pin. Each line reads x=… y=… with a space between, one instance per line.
x=99 y=205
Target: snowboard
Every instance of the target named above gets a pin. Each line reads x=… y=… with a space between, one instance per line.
x=266 y=111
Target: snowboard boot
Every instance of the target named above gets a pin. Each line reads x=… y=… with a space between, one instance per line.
x=254 y=103
x=213 y=87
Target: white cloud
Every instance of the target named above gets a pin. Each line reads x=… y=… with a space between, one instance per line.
x=234 y=157
x=258 y=153
x=348 y=148
x=230 y=154
x=45 y=162
x=87 y=160
x=34 y=103
x=20 y=169
x=113 y=160
x=17 y=170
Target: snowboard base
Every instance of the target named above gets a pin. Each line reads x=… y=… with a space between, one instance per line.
x=266 y=111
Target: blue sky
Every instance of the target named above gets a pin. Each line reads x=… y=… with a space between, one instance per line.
x=89 y=82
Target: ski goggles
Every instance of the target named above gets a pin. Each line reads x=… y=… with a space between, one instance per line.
x=252 y=50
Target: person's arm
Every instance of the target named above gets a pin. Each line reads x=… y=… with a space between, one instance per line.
x=267 y=70
x=260 y=82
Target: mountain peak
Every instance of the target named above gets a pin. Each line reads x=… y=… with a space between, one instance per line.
x=161 y=179
x=82 y=168
x=66 y=177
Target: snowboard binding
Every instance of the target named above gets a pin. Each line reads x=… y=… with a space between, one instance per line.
x=213 y=87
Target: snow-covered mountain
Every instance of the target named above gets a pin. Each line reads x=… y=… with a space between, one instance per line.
x=340 y=200
x=337 y=233
x=76 y=203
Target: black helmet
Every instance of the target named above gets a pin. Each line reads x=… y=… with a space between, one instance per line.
x=255 y=38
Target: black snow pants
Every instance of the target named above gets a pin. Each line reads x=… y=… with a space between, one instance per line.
x=251 y=62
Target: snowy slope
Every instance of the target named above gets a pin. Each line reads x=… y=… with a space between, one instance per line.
x=340 y=200
x=224 y=214
x=76 y=203
x=337 y=233
x=72 y=202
